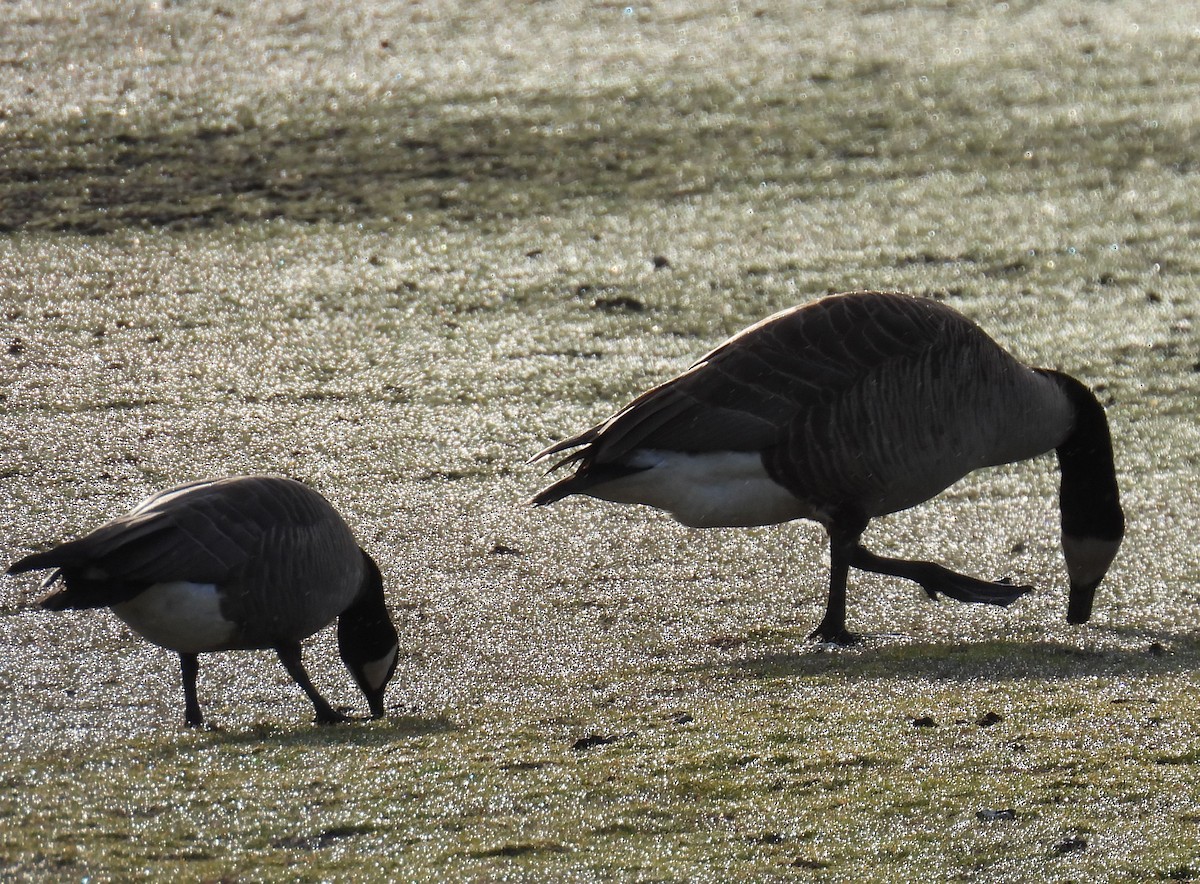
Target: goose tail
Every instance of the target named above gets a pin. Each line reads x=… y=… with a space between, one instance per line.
x=553 y=493
x=34 y=562
x=55 y=597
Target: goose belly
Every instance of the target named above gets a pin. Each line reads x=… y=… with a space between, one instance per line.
x=182 y=616
x=727 y=489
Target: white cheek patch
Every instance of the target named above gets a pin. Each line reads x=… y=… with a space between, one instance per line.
x=377 y=673
x=1088 y=558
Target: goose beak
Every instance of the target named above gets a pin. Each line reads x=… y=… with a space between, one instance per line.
x=1079 y=603
x=375 y=703
x=1088 y=559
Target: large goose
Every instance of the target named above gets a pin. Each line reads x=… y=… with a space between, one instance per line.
x=845 y=409
x=236 y=563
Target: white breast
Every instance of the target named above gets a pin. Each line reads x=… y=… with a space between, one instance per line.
x=725 y=489
x=181 y=616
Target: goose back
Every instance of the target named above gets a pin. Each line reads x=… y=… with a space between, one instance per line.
x=872 y=400
x=278 y=559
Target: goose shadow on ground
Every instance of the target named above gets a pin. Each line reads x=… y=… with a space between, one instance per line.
x=364 y=732
x=1144 y=653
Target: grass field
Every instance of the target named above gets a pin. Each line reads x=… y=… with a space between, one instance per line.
x=394 y=249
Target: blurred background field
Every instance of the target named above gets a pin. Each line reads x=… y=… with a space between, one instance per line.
x=394 y=249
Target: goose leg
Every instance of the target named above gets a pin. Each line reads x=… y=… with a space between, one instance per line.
x=189 y=665
x=935 y=579
x=289 y=656
x=843 y=540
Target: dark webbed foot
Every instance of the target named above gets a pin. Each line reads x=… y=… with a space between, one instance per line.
x=970 y=589
x=838 y=635
x=329 y=715
x=936 y=580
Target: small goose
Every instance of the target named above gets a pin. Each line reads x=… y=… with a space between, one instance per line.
x=236 y=563
x=849 y=408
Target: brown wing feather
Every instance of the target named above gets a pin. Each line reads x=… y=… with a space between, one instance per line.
x=732 y=398
x=204 y=532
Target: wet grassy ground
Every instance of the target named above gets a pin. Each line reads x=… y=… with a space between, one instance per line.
x=395 y=250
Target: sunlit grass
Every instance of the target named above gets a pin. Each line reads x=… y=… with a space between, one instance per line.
x=426 y=243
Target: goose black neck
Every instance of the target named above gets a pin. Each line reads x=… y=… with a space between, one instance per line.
x=1088 y=495
x=365 y=630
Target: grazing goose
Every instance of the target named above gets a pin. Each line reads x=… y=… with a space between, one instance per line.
x=845 y=409
x=236 y=563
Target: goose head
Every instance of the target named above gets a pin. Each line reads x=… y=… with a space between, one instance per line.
x=1093 y=522
x=1088 y=559
x=367 y=639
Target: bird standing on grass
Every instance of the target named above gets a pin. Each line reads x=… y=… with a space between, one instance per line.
x=849 y=408
x=236 y=563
